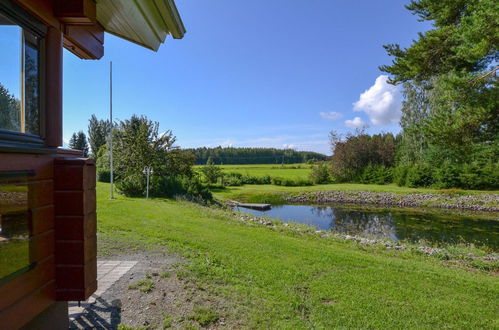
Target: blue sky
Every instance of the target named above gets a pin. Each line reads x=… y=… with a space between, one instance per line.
x=277 y=73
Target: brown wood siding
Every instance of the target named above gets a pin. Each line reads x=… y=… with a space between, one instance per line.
x=22 y=312
x=29 y=294
x=53 y=88
x=75 y=228
x=63 y=242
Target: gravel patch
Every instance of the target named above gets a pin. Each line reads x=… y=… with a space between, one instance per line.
x=149 y=296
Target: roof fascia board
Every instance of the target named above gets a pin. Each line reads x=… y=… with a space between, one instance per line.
x=171 y=17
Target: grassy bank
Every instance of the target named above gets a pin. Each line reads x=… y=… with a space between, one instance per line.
x=286 y=279
x=277 y=194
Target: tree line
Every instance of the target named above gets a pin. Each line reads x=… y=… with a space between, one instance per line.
x=10 y=114
x=450 y=112
x=230 y=155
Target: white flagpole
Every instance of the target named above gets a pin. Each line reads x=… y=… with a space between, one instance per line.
x=111 y=132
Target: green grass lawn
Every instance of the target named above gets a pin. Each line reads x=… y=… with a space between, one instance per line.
x=288 y=171
x=290 y=280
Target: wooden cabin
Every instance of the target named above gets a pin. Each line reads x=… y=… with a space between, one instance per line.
x=47 y=193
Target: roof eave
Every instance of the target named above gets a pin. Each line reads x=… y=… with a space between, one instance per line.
x=145 y=23
x=178 y=30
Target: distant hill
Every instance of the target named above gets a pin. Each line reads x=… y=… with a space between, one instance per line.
x=238 y=156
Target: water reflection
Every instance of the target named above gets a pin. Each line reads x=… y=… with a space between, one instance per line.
x=395 y=224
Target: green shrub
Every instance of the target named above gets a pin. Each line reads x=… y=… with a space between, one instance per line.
x=277 y=181
x=238 y=179
x=385 y=175
x=478 y=175
x=102 y=165
x=474 y=175
x=419 y=176
x=104 y=176
x=234 y=175
x=232 y=181
x=447 y=176
x=377 y=174
x=211 y=171
x=132 y=186
x=470 y=176
x=346 y=175
x=169 y=187
x=190 y=187
x=400 y=175
x=248 y=179
x=298 y=182
x=320 y=173
x=193 y=187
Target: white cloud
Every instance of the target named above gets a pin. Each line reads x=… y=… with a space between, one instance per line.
x=229 y=143
x=331 y=115
x=357 y=122
x=381 y=102
x=288 y=146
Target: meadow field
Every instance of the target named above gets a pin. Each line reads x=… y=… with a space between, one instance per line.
x=271 y=193
x=277 y=277
x=287 y=171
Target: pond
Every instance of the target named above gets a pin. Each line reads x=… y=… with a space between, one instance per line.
x=395 y=224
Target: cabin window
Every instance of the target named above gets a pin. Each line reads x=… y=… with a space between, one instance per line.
x=19 y=77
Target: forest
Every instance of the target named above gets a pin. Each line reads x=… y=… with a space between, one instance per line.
x=231 y=155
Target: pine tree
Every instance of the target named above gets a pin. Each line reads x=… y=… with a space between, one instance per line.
x=464 y=40
x=98 y=131
x=78 y=141
x=451 y=87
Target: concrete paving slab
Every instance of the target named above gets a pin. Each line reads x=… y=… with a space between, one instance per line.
x=108 y=272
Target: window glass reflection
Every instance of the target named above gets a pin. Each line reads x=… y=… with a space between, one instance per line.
x=14 y=230
x=19 y=79
x=10 y=75
x=31 y=87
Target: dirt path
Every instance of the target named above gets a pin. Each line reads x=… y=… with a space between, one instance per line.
x=149 y=295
